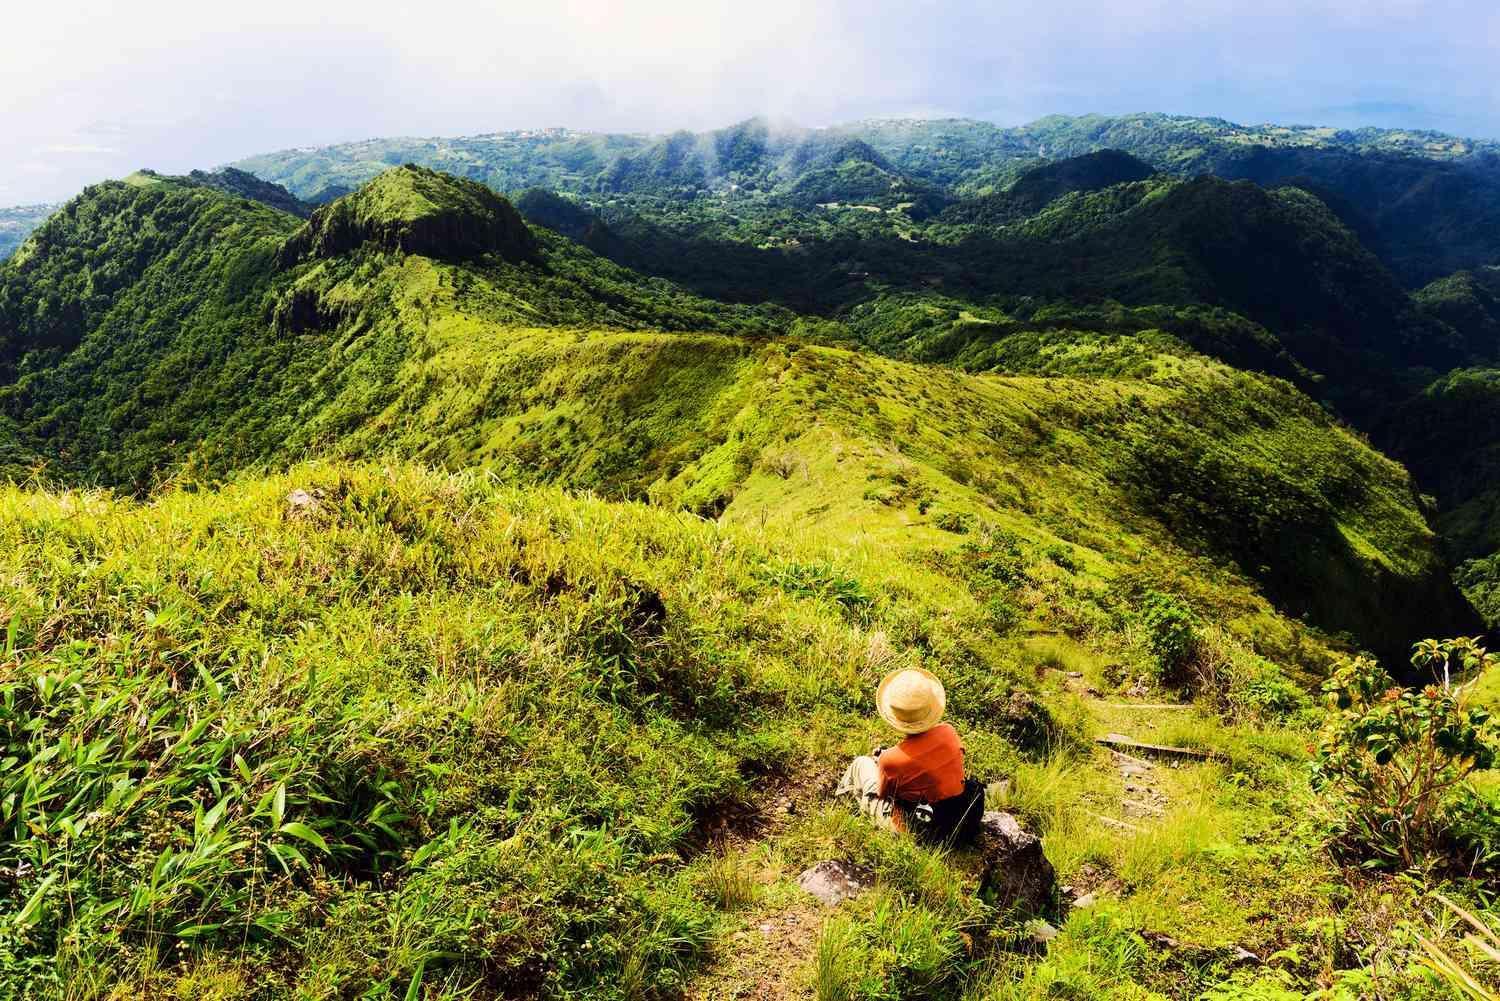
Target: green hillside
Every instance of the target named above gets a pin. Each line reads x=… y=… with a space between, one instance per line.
x=377 y=346
x=409 y=601
x=1039 y=187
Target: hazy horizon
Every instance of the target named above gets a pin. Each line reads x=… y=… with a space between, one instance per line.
x=98 y=90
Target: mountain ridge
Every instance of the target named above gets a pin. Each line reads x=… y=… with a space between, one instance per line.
x=393 y=310
x=1416 y=188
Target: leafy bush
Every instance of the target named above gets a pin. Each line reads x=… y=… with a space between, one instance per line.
x=994 y=556
x=955 y=522
x=1245 y=686
x=1473 y=834
x=1062 y=556
x=1398 y=757
x=1002 y=615
x=1171 y=633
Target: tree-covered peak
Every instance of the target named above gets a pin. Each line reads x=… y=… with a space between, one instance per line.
x=230 y=181
x=1088 y=172
x=415 y=210
x=1040 y=186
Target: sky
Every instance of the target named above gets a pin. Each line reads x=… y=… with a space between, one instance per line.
x=92 y=89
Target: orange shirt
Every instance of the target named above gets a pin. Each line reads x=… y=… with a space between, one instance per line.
x=925 y=767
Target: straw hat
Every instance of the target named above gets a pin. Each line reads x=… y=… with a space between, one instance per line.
x=911 y=700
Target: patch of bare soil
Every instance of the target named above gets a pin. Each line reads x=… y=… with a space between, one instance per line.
x=767 y=959
x=775 y=803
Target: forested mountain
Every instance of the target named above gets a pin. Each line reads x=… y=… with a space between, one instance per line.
x=414 y=590
x=18 y=223
x=1423 y=202
x=1427 y=200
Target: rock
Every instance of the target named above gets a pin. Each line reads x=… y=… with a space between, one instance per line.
x=835 y=882
x=1040 y=931
x=300 y=502
x=1015 y=874
x=1087 y=900
x=1160 y=939
x=1025 y=722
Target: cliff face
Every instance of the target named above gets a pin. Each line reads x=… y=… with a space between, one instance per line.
x=413 y=210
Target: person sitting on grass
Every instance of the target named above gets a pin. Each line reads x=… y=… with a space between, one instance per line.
x=919 y=784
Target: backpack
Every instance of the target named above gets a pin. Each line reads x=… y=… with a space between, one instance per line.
x=953 y=822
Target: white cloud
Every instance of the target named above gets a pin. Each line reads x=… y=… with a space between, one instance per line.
x=173 y=84
x=76 y=149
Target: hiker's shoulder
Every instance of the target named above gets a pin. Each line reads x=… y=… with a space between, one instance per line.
x=940 y=735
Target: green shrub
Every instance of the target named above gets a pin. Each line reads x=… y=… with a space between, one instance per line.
x=1002 y=616
x=1398 y=757
x=1473 y=830
x=955 y=522
x=994 y=557
x=1062 y=556
x=1171 y=633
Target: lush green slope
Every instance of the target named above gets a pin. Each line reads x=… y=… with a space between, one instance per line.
x=407 y=733
x=1279 y=259
x=275 y=344
x=1132 y=241
x=1469 y=302
x=246 y=185
x=1039 y=187
x=152 y=320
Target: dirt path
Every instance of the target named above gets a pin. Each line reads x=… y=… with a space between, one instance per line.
x=767 y=958
x=766 y=953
